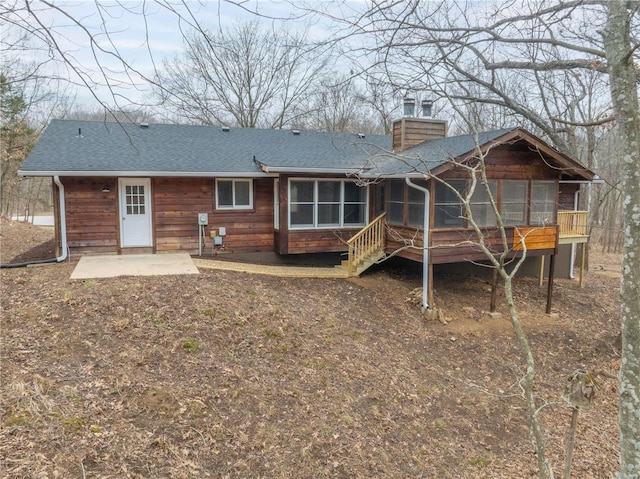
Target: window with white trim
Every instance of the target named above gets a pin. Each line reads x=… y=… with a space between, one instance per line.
x=234 y=194
x=326 y=204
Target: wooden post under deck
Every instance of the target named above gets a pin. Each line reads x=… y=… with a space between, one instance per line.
x=552 y=266
x=430 y=299
x=541 y=276
x=494 y=288
x=584 y=251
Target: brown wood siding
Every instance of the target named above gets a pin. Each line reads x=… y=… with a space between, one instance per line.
x=91 y=215
x=319 y=241
x=93 y=219
x=408 y=132
x=536 y=238
x=178 y=201
x=512 y=163
x=399 y=237
x=566 y=196
x=456 y=245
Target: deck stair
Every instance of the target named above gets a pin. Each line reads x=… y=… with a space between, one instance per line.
x=366 y=247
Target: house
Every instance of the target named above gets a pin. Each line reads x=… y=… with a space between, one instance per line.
x=155 y=188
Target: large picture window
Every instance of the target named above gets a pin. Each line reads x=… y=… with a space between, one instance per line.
x=326 y=204
x=234 y=194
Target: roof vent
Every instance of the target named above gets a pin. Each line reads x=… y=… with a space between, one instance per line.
x=226 y=128
x=295 y=132
x=360 y=135
x=144 y=125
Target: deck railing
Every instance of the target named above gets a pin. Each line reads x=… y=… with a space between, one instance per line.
x=366 y=242
x=572 y=223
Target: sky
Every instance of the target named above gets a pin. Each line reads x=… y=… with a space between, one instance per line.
x=144 y=34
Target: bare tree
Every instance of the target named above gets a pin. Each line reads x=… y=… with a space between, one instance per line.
x=621 y=49
x=474 y=52
x=245 y=76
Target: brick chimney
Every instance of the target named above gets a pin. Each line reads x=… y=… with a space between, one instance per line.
x=411 y=130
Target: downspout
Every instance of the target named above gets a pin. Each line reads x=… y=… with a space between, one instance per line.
x=425 y=241
x=63 y=221
x=572 y=257
x=63 y=234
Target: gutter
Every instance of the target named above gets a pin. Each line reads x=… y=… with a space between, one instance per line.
x=290 y=170
x=425 y=241
x=63 y=234
x=135 y=174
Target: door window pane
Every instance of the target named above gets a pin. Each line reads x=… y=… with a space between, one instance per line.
x=134 y=199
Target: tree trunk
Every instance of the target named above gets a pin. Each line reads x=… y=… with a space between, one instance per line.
x=544 y=469
x=622 y=77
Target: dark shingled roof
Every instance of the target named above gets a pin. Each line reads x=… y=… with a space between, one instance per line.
x=91 y=148
x=430 y=154
x=85 y=147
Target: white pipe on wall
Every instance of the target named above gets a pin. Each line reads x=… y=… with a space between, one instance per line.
x=425 y=247
x=63 y=220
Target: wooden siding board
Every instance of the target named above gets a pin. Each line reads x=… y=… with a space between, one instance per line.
x=91 y=217
x=536 y=238
x=179 y=200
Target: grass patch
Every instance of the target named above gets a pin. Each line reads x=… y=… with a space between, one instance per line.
x=191 y=346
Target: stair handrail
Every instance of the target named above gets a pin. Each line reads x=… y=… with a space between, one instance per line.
x=365 y=242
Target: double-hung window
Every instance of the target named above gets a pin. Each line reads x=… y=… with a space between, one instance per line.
x=234 y=194
x=326 y=204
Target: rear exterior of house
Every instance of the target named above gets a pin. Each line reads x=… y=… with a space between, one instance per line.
x=145 y=188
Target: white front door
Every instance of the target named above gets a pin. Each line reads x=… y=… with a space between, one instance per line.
x=135 y=212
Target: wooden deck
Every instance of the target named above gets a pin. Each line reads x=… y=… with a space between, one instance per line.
x=572 y=227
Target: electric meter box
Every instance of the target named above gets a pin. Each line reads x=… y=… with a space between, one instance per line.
x=203 y=219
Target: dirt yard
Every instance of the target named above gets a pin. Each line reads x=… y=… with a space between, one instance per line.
x=231 y=375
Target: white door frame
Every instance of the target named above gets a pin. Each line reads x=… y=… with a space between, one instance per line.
x=135 y=215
